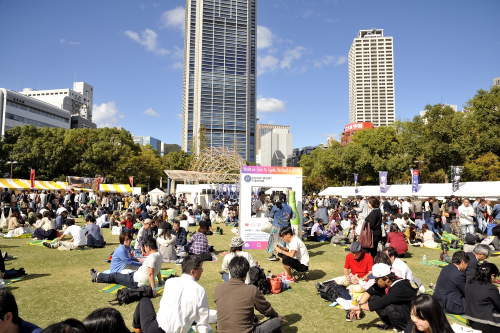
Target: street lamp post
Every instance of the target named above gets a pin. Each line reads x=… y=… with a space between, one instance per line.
x=12 y=167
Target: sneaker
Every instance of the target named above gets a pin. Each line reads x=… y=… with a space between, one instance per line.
x=46 y=244
x=384 y=327
x=272 y=258
x=282 y=275
x=93 y=274
x=179 y=262
x=348 y=316
x=290 y=279
x=318 y=285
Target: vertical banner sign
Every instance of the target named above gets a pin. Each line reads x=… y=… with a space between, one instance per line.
x=161 y=182
x=231 y=191
x=131 y=180
x=237 y=192
x=414 y=181
x=456 y=173
x=355 y=183
x=32 y=178
x=98 y=183
x=383 y=181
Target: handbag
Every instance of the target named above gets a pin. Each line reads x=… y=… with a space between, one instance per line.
x=366 y=234
x=266 y=227
x=274 y=285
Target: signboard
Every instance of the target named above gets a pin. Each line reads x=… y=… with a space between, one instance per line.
x=383 y=181
x=414 y=181
x=84 y=182
x=357 y=126
x=253 y=177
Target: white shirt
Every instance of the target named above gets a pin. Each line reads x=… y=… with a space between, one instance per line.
x=77 y=233
x=103 y=218
x=184 y=224
x=262 y=213
x=60 y=210
x=345 y=224
x=172 y=213
x=183 y=302
x=406 y=207
x=427 y=206
x=464 y=211
x=403 y=268
x=196 y=200
x=401 y=224
x=154 y=261
x=246 y=255
x=301 y=253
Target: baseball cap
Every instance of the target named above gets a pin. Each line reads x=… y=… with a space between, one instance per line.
x=379 y=270
x=356 y=247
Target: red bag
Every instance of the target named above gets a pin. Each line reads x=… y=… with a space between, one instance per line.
x=274 y=285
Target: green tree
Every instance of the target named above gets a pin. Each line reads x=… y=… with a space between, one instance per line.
x=177 y=161
x=199 y=141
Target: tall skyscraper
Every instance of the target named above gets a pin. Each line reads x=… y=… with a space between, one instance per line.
x=263 y=129
x=219 y=74
x=371 y=78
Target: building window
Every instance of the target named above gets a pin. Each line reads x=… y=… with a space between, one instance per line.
x=27 y=120
x=36 y=111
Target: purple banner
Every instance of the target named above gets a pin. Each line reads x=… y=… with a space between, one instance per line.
x=383 y=181
x=355 y=183
x=414 y=181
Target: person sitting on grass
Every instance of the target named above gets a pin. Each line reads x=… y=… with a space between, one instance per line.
x=396 y=239
x=428 y=238
x=166 y=242
x=399 y=264
x=128 y=224
x=45 y=228
x=319 y=232
x=293 y=255
x=482 y=304
x=480 y=253
x=181 y=236
x=93 y=234
x=358 y=265
x=144 y=276
x=469 y=243
x=427 y=316
x=62 y=219
x=105 y=320
x=236 y=250
x=121 y=260
x=492 y=241
x=10 y=322
x=70 y=325
x=198 y=244
x=183 y=304
x=15 y=227
x=450 y=286
x=103 y=220
x=77 y=241
x=236 y=302
x=390 y=297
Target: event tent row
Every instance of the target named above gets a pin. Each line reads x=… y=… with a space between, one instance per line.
x=466 y=189
x=24 y=184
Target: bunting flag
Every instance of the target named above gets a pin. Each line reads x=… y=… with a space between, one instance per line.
x=32 y=178
x=131 y=180
x=355 y=183
x=456 y=174
x=414 y=181
x=383 y=181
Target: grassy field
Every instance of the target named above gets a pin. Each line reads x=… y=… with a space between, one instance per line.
x=59 y=285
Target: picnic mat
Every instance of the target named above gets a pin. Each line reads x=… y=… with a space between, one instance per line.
x=19 y=236
x=39 y=243
x=435 y=263
x=459 y=318
x=9 y=281
x=224 y=253
x=113 y=287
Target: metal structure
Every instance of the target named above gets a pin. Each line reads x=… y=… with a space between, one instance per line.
x=213 y=165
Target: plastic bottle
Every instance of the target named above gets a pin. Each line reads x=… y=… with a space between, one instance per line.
x=269 y=275
x=425 y=258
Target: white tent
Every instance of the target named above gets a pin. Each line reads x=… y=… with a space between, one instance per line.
x=156 y=196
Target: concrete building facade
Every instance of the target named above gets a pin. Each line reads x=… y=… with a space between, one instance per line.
x=371 y=78
x=148 y=140
x=496 y=82
x=263 y=129
x=275 y=147
x=219 y=88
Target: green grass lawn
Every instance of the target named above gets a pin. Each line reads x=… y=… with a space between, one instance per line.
x=59 y=287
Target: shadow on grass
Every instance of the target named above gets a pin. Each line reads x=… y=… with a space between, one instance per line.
x=34 y=276
x=290 y=320
x=369 y=325
x=317 y=253
x=316 y=274
x=313 y=245
x=8 y=246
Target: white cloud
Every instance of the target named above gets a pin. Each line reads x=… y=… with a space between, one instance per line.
x=268 y=105
x=264 y=37
x=173 y=18
x=291 y=55
x=64 y=41
x=326 y=60
x=106 y=114
x=149 y=39
x=151 y=112
x=308 y=13
x=178 y=53
x=266 y=64
x=178 y=65
x=143 y=7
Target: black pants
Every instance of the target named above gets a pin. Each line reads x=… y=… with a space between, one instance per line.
x=485 y=328
x=373 y=251
x=393 y=314
x=145 y=317
x=124 y=279
x=293 y=263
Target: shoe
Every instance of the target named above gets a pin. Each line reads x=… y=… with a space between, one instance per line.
x=384 y=327
x=290 y=279
x=179 y=262
x=432 y=286
x=222 y=272
x=318 y=285
x=46 y=244
x=272 y=258
x=93 y=274
x=221 y=231
x=282 y=275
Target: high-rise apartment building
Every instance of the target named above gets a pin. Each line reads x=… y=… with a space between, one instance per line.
x=147 y=140
x=263 y=129
x=219 y=87
x=276 y=146
x=371 y=78
x=496 y=82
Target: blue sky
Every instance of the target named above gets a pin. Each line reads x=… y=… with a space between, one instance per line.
x=131 y=52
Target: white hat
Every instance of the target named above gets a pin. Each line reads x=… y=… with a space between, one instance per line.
x=379 y=270
x=306 y=212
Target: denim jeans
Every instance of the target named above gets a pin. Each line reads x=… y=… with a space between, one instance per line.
x=468 y=228
x=481 y=223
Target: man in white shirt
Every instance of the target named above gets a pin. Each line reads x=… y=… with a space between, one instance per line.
x=60 y=209
x=260 y=206
x=183 y=302
x=77 y=241
x=466 y=212
x=399 y=264
x=363 y=209
x=294 y=255
x=103 y=220
x=196 y=199
x=406 y=206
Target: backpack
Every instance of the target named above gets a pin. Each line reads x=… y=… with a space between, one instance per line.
x=330 y=291
x=127 y=296
x=275 y=285
x=258 y=278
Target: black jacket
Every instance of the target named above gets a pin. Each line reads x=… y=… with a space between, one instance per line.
x=387 y=207
x=401 y=292
x=375 y=217
x=181 y=235
x=482 y=303
x=450 y=289
x=472 y=267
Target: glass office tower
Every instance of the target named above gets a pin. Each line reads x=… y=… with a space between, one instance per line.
x=219 y=74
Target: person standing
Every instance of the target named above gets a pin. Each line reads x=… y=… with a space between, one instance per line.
x=466 y=217
x=495 y=213
x=374 y=218
x=281 y=213
x=363 y=210
x=260 y=206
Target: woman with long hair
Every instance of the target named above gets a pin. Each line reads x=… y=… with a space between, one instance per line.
x=427 y=316
x=281 y=213
x=482 y=300
x=396 y=239
x=166 y=242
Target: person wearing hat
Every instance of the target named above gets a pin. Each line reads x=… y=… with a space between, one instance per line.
x=358 y=264
x=236 y=250
x=390 y=297
x=166 y=242
x=307 y=221
x=144 y=232
x=114 y=220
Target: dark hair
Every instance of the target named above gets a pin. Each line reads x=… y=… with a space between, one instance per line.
x=391 y=276
x=239 y=267
x=425 y=227
x=46 y=213
x=394 y=228
x=496 y=231
x=39 y=216
x=125 y=235
x=151 y=242
x=459 y=256
x=484 y=272
x=70 y=325
x=69 y=222
x=391 y=252
x=191 y=262
x=374 y=202
x=382 y=258
x=282 y=198
x=177 y=222
x=426 y=307
x=184 y=217
x=286 y=231
x=234 y=249
x=105 y=320
x=90 y=218
x=166 y=230
x=8 y=304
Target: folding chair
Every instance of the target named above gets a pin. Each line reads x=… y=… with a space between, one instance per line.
x=299 y=276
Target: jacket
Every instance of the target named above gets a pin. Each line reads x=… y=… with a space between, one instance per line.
x=417 y=206
x=181 y=237
x=472 y=267
x=482 y=303
x=363 y=209
x=436 y=208
x=386 y=206
x=496 y=212
x=450 y=290
x=401 y=292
